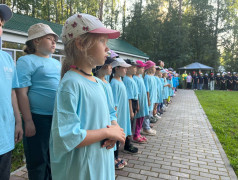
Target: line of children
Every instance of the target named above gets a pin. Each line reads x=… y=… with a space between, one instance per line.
x=74 y=124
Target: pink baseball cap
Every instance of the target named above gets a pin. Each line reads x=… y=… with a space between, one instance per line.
x=140 y=63
x=149 y=64
x=80 y=23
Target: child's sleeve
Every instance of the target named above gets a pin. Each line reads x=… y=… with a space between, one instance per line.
x=146 y=84
x=15 y=83
x=66 y=128
x=24 y=72
x=115 y=93
x=128 y=89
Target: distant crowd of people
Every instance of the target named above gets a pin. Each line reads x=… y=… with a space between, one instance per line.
x=220 y=81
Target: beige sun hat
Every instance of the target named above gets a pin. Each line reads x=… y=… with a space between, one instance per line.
x=40 y=30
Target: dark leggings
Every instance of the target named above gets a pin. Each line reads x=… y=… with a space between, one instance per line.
x=37 y=149
x=5 y=165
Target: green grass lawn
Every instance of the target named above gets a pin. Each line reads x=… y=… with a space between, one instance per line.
x=17 y=157
x=221 y=108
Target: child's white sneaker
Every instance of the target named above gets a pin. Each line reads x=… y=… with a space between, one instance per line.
x=149 y=132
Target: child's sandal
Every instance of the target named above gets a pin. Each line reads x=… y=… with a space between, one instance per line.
x=119 y=165
x=123 y=162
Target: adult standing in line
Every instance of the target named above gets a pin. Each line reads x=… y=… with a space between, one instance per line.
x=184 y=77
x=205 y=81
x=235 y=81
x=229 y=82
x=223 y=82
x=195 y=81
x=189 y=81
x=200 y=81
x=39 y=77
x=212 y=81
x=218 y=81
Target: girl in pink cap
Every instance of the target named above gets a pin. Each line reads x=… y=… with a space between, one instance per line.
x=82 y=134
x=143 y=102
x=150 y=85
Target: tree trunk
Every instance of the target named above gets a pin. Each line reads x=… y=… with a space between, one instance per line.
x=101 y=2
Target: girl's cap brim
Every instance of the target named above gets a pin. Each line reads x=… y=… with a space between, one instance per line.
x=112 y=34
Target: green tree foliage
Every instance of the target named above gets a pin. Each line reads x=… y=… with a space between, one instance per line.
x=176 y=31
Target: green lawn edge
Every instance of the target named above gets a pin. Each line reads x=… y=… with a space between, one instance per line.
x=221 y=108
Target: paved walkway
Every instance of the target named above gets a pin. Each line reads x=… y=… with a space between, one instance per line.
x=185 y=147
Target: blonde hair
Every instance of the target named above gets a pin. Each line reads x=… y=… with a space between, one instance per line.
x=73 y=53
x=149 y=71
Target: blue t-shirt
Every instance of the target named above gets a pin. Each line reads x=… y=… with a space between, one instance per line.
x=143 y=101
x=80 y=105
x=122 y=104
x=42 y=76
x=110 y=101
x=131 y=88
x=8 y=81
x=151 y=87
x=171 y=87
x=159 y=90
x=165 y=89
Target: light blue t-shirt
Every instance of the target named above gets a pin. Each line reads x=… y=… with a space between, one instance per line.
x=42 y=76
x=80 y=105
x=163 y=88
x=131 y=88
x=171 y=87
x=8 y=81
x=122 y=104
x=151 y=87
x=110 y=100
x=159 y=90
x=166 y=89
x=143 y=101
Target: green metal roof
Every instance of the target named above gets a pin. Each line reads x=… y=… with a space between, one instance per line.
x=123 y=46
x=21 y=23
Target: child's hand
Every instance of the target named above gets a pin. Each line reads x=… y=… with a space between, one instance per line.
x=109 y=144
x=30 y=129
x=132 y=115
x=116 y=133
x=18 y=132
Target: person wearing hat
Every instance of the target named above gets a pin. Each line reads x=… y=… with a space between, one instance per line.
x=143 y=102
x=101 y=72
x=218 y=81
x=82 y=135
x=122 y=105
x=132 y=93
x=151 y=90
x=159 y=91
x=212 y=81
x=206 y=81
x=10 y=119
x=39 y=77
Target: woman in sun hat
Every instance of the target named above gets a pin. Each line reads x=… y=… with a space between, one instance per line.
x=39 y=76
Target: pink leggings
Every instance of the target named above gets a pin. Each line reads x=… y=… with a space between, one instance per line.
x=139 y=122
